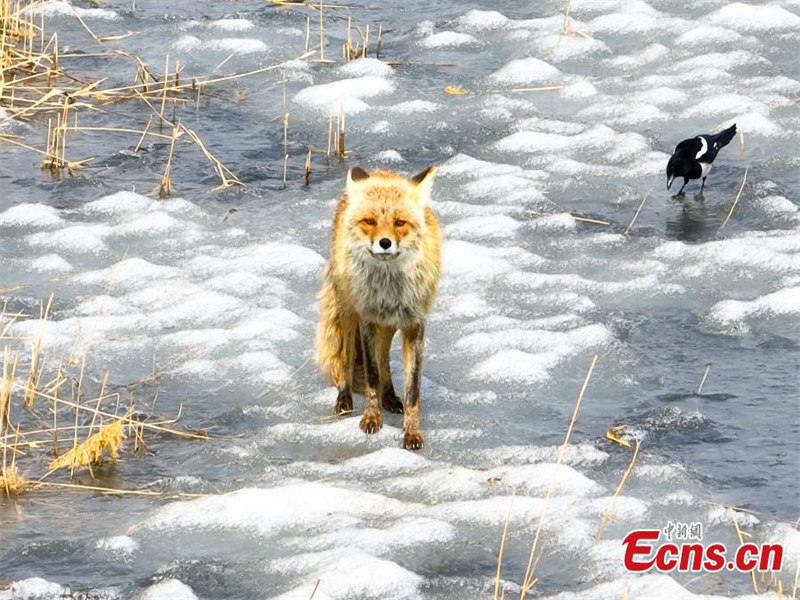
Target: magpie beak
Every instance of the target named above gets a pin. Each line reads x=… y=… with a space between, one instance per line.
x=669 y=182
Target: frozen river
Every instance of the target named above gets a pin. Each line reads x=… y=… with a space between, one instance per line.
x=213 y=292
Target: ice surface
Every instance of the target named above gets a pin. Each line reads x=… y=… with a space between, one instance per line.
x=389 y=156
x=732 y=312
x=190 y=43
x=169 y=588
x=121 y=545
x=415 y=106
x=351 y=574
x=30 y=215
x=51 y=263
x=708 y=36
x=525 y=71
x=749 y=17
x=449 y=39
x=62 y=7
x=481 y=20
x=344 y=94
x=232 y=24
x=364 y=67
x=34 y=588
x=206 y=301
x=270 y=512
x=646 y=587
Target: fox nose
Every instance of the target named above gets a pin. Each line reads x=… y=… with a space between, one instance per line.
x=385 y=243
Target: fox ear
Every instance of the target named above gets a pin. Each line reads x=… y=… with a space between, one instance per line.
x=354 y=175
x=424 y=183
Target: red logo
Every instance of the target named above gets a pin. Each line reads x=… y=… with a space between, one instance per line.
x=642 y=554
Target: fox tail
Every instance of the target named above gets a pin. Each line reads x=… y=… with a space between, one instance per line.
x=332 y=335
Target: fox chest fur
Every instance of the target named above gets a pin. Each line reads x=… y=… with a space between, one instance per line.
x=392 y=293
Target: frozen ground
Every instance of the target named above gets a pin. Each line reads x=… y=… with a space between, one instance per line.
x=215 y=292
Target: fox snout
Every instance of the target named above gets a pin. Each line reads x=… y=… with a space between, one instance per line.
x=384 y=247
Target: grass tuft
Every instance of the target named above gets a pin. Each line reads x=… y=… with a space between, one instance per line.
x=93 y=449
x=46 y=429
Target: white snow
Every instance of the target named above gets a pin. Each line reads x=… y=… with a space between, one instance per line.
x=344 y=94
x=525 y=71
x=364 y=67
x=63 y=8
x=273 y=511
x=232 y=24
x=751 y=17
x=449 y=39
x=51 y=263
x=782 y=302
x=190 y=43
x=118 y=545
x=30 y=216
x=482 y=20
x=220 y=305
x=168 y=588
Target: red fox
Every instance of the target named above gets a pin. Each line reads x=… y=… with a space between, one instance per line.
x=382 y=274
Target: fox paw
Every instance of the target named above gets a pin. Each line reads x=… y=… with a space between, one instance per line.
x=371 y=422
x=344 y=403
x=392 y=404
x=412 y=441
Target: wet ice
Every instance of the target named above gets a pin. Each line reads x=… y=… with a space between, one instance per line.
x=224 y=305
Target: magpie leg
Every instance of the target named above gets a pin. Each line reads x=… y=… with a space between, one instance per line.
x=702 y=185
x=680 y=191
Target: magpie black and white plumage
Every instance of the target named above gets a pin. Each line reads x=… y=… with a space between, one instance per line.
x=693 y=157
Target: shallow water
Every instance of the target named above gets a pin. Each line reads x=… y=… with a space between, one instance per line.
x=214 y=292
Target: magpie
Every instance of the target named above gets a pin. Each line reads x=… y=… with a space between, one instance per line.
x=693 y=157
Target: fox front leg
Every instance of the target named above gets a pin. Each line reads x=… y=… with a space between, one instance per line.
x=413 y=346
x=344 y=400
x=383 y=345
x=372 y=420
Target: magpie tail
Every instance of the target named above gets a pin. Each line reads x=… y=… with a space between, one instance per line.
x=726 y=136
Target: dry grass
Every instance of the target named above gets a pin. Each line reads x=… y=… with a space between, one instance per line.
x=502 y=547
x=736 y=200
x=529 y=579
x=92 y=450
x=581 y=219
x=37 y=419
x=452 y=90
x=35 y=88
x=636 y=214
x=703 y=380
x=740 y=535
x=11 y=482
x=622 y=481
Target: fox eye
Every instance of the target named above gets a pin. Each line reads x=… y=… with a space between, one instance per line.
x=370 y=222
x=399 y=222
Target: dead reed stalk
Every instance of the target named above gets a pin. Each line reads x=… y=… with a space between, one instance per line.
x=97 y=425
x=529 y=580
x=703 y=380
x=740 y=535
x=618 y=490
x=636 y=214
x=502 y=547
x=736 y=200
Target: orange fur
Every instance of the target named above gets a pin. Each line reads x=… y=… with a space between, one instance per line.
x=381 y=277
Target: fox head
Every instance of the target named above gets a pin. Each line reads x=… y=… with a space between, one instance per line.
x=386 y=212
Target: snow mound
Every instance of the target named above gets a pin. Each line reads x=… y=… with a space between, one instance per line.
x=346 y=94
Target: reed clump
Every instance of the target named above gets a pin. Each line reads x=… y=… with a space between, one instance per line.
x=52 y=425
x=93 y=449
x=36 y=88
x=62 y=103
